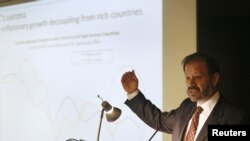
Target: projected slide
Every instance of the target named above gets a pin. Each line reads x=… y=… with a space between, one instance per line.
x=56 y=56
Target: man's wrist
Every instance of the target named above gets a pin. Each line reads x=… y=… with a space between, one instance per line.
x=133 y=94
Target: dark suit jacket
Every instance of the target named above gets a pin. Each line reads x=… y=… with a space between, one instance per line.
x=175 y=121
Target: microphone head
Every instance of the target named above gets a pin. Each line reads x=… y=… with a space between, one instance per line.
x=106 y=106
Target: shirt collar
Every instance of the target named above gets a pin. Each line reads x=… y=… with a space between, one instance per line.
x=210 y=103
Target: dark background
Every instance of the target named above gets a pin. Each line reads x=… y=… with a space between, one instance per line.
x=223 y=31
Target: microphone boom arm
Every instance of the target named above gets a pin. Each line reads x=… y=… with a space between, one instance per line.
x=100 y=124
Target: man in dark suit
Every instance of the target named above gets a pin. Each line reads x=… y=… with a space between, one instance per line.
x=202 y=79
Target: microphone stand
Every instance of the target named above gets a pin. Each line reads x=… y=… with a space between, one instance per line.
x=154 y=133
x=100 y=124
x=157 y=130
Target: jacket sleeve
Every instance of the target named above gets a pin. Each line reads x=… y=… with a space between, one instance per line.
x=152 y=115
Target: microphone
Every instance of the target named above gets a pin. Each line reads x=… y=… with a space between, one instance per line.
x=157 y=130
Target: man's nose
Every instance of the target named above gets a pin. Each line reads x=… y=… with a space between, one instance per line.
x=190 y=82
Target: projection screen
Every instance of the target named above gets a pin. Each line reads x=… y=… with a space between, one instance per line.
x=56 y=56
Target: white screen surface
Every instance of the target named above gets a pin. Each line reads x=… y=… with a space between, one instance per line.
x=56 y=56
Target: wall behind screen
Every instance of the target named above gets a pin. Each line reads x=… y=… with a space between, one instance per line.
x=179 y=41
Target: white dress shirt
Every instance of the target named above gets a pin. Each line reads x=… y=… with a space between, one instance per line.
x=207 y=108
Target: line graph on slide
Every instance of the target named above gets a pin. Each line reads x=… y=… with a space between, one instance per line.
x=34 y=91
x=55 y=60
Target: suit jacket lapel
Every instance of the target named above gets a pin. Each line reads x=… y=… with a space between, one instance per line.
x=186 y=117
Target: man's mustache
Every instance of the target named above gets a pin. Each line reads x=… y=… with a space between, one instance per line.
x=193 y=88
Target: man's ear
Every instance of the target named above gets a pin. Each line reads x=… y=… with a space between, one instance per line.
x=216 y=78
